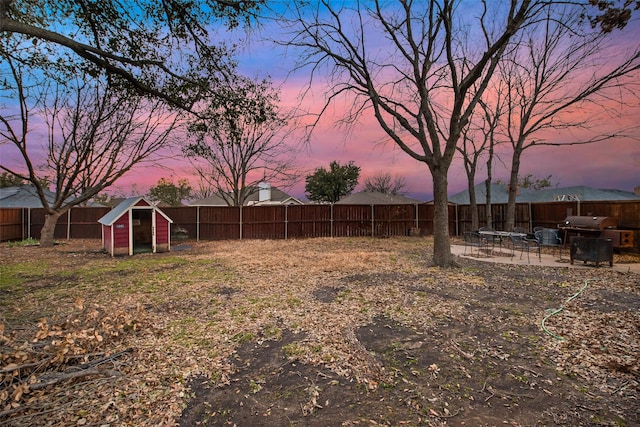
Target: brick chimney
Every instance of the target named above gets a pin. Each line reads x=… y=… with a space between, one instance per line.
x=636 y=190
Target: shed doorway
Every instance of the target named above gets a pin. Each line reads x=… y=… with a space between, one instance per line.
x=142 y=230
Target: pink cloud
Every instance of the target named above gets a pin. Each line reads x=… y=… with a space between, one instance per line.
x=612 y=164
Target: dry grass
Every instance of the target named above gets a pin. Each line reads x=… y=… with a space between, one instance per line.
x=185 y=313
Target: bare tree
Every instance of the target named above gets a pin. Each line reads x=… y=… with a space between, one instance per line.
x=204 y=187
x=472 y=147
x=478 y=139
x=491 y=120
x=242 y=141
x=94 y=136
x=384 y=183
x=404 y=61
x=565 y=75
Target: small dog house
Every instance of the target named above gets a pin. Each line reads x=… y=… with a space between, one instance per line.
x=135 y=226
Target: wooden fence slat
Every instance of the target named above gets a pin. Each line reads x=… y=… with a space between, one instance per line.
x=308 y=221
x=11 y=224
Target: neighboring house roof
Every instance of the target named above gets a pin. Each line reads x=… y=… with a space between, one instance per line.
x=583 y=193
x=290 y=200
x=278 y=197
x=115 y=201
x=26 y=196
x=112 y=216
x=23 y=196
x=498 y=194
x=376 y=198
x=215 y=200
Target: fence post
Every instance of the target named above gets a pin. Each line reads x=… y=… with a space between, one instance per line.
x=240 y=222
x=198 y=223
x=22 y=217
x=286 y=223
x=331 y=220
x=373 y=228
x=457 y=220
x=69 y=224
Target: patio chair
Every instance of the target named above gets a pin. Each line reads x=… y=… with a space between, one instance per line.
x=523 y=244
x=549 y=237
x=494 y=238
x=473 y=239
x=535 y=245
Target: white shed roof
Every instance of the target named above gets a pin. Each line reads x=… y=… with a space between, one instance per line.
x=113 y=215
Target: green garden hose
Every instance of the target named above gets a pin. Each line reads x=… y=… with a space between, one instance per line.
x=554 y=311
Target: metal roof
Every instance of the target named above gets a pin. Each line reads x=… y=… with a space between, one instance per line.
x=581 y=192
x=23 y=196
x=26 y=196
x=113 y=215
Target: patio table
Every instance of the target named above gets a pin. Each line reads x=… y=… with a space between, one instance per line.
x=500 y=235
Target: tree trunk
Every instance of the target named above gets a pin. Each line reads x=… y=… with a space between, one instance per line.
x=48 y=229
x=473 y=205
x=513 y=191
x=441 y=245
x=488 y=208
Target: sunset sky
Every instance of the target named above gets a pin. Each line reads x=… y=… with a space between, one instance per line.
x=611 y=164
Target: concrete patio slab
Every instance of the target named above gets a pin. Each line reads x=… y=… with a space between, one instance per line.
x=504 y=257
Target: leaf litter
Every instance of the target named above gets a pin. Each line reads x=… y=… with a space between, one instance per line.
x=311 y=332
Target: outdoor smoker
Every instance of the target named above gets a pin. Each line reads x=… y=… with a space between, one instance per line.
x=593 y=249
x=596 y=226
x=592 y=238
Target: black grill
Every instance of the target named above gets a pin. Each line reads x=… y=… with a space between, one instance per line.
x=588 y=223
x=596 y=227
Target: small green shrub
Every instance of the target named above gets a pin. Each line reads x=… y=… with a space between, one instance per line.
x=293 y=350
x=26 y=242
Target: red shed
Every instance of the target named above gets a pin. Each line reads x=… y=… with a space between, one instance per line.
x=135 y=226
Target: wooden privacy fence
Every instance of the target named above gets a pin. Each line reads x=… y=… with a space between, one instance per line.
x=76 y=223
x=255 y=222
x=550 y=214
x=306 y=221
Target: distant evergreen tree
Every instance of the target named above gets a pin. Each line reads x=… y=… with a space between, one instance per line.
x=330 y=185
x=167 y=193
x=9 y=180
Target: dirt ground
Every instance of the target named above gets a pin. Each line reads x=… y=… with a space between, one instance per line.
x=333 y=332
x=488 y=366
